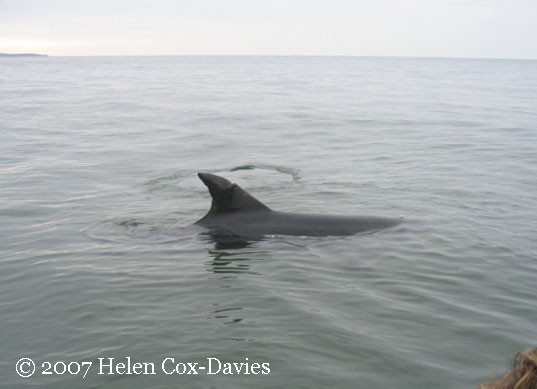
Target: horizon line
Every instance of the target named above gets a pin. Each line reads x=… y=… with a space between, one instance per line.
x=271 y=55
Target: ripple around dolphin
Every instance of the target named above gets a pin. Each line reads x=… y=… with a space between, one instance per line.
x=167 y=182
x=294 y=173
x=143 y=231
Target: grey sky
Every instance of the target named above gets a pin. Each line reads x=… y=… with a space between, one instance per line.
x=437 y=28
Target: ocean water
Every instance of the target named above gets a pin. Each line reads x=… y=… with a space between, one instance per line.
x=98 y=185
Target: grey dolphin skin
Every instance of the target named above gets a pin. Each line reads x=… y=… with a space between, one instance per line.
x=235 y=212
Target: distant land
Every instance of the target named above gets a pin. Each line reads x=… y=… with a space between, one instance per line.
x=22 y=55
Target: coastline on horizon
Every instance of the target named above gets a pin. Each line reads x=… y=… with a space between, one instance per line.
x=22 y=55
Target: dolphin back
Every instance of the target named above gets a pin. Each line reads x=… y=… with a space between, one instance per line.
x=228 y=198
x=236 y=212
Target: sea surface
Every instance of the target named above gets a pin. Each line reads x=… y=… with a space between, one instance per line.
x=98 y=188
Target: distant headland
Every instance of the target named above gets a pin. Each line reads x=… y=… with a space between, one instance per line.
x=22 y=55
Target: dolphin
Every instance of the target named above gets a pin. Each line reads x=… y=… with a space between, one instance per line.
x=235 y=212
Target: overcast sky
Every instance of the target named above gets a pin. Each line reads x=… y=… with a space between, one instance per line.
x=424 y=28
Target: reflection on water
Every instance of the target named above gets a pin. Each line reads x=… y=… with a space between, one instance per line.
x=225 y=241
x=228 y=242
x=228 y=314
x=228 y=262
x=228 y=255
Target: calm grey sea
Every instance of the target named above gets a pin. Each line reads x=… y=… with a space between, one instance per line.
x=98 y=163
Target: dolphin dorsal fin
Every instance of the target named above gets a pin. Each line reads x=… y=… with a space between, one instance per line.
x=229 y=197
